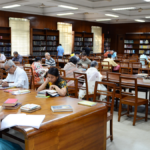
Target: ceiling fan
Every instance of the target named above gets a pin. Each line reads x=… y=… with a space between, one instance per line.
x=44 y=6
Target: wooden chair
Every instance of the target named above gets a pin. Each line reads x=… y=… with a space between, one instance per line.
x=135 y=66
x=82 y=78
x=104 y=66
x=125 y=70
x=131 y=100
x=73 y=87
x=124 y=64
x=25 y=61
x=29 y=72
x=1 y=74
x=62 y=73
x=110 y=101
x=115 y=81
x=144 y=70
x=133 y=60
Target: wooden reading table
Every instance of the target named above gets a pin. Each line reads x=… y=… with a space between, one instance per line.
x=82 y=129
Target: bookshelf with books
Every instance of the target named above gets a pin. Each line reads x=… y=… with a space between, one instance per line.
x=81 y=40
x=5 y=41
x=107 y=42
x=137 y=43
x=44 y=40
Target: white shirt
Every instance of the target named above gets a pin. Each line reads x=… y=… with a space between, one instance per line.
x=19 y=78
x=2 y=57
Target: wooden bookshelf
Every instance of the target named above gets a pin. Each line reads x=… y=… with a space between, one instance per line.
x=107 y=42
x=44 y=41
x=82 y=39
x=137 y=43
x=5 y=41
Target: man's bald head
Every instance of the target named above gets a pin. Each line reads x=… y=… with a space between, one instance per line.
x=47 y=56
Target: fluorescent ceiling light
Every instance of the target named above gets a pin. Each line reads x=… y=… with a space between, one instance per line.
x=103 y=19
x=147 y=17
x=111 y=15
x=147 y=0
x=69 y=7
x=124 y=8
x=12 y=6
x=65 y=14
x=138 y=20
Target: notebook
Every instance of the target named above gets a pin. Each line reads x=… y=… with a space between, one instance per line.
x=20 y=92
x=42 y=96
x=87 y=103
x=12 y=107
x=61 y=108
x=30 y=108
x=10 y=102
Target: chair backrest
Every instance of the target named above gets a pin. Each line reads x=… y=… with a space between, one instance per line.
x=113 y=77
x=62 y=73
x=129 y=83
x=105 y=66
x=125 y=70
x=125 y=60
x=136 y=65
x=73 y=87
x=25 y=61
x=82 y=79
x=110 y=93
x=133 y=60
x=124 y=64
x=1 y=73
x=144 y=70
x=29 y=72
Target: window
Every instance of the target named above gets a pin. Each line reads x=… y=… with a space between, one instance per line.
x=20 y=36
x=65 y=36
x=97 y=47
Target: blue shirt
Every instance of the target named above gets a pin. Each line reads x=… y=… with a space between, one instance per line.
x=60 y=50
x=113 y=55
x=143 y=57
x=18 y=58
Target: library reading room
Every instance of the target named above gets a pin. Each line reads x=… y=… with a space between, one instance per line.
x=75 y=75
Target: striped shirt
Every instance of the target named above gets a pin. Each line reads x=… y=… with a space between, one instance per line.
x=50 y=62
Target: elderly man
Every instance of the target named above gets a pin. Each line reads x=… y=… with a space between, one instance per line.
x=17 y=58
x=49 y=60
x=16 y=75
x=84 y=62
x=2 y=58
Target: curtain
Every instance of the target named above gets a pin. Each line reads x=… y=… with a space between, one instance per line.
x=97 y=33
x=65 y=36
x=20 y=35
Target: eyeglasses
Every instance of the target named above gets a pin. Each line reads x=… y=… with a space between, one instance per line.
x=8 y=69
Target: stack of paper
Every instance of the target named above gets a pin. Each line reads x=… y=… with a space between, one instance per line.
x=22 y=120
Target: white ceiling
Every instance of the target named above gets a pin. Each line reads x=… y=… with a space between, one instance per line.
x=89 y=10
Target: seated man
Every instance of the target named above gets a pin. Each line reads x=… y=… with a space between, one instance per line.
x=84 y=62
x=17 y=58
x=16 y=75
x=49 y=60
x=111 y=62
x=2 y=58
x=142 y=57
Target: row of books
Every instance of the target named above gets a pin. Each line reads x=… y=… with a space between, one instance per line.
x=43 y=53
x=51 y=38
x=5 y=49
x=107 y=40
x=78 y=43
x=78 y=39
x=51 y=48
x=39 y=48
x=141 y=51
x=144 y=46
x=88 y=39
x=2 y=43
x=129 y=51
x=128 y=41
x=88 y=43
x=38 y=37
x=107 y=48
x=144 y=41
x=128 y=46
x=54 y=43
x=106 y=44
x=39 y=42
x=78 y=48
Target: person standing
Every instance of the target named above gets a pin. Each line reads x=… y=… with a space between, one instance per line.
x=17 y=58
x=87 y=50
x=60 y=51
x=2 y=58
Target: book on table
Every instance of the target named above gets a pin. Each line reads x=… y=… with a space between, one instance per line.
x=10 y=102
x=30 y=108
x=12 y=107
x=61 y=108
x=20 y=92
x=87 y=103
x=51 y=93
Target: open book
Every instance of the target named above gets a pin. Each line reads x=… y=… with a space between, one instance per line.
x=22 y=120
x=51 y=93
